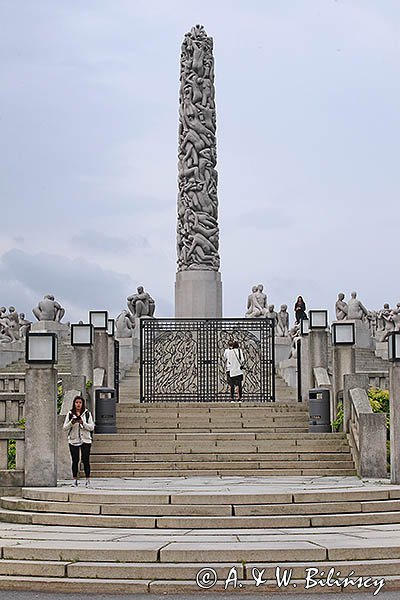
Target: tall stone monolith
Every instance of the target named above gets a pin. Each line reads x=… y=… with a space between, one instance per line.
x=198 y=286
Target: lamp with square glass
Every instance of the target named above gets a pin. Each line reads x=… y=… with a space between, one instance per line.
x=111 y=327
x=318 y=319
x=41 y=348
x=99 y=319
x=304 y=327
x=81 y=334
x=394 y=346
x=343 y=334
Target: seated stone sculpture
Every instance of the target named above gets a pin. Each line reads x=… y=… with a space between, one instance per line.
x=13 y=323
x=24 y=325
x=356 y=309
x=141 y=304
x=341 y=308
x=48 y=309
x=256 y=303
x=282 y=328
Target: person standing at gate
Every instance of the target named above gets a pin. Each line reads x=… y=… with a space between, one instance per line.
x=79 y=424
x=234 y=361
x=227 y=363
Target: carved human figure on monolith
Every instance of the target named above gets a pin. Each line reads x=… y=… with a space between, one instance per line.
x=341 y=308
x=141 y=304
x=48 y=309
x=198 y=234
x=282 y=327
x=356 y=309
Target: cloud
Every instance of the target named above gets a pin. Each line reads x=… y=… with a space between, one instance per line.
x=101 y=242
x=78 y=284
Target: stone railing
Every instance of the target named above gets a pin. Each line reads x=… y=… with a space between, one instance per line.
x=367 y=434
x=12 y=382
x=379 y=379
x=11 y=408
x=12 y=457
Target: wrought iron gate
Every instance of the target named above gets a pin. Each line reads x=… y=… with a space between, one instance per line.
x=183 y=359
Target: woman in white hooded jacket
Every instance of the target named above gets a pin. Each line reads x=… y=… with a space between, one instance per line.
x=79 y=424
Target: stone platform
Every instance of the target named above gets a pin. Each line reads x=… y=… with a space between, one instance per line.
x=157 y=534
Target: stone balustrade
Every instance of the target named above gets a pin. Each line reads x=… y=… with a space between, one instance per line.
x=367 y=435
x=12 y=457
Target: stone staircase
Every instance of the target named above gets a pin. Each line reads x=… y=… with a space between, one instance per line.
x=63 y=364
x=367 y=361
x=222 y=438
x=160 y=537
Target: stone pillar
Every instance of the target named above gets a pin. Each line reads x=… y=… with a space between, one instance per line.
x=303 y=365
x=317 y=351
x=344 y=363
x=394 y=376
x=82 y=365
x=41 y=426
x=100 y=358
x=111 y=362
x=198 y=295
x=198 y=287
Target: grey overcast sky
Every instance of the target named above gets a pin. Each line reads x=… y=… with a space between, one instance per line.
x=308 y=122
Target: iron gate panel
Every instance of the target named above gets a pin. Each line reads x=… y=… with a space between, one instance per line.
x=183 y=359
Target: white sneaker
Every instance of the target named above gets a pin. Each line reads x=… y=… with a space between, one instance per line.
x=87 y=484
x=74 y=483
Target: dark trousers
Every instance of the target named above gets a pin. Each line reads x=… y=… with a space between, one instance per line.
x=236 y=381
x=84 y=450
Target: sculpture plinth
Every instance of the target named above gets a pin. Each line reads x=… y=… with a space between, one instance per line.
x=198 y=289
x=198 y=295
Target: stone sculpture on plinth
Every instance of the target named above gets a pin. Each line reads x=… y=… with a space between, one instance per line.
x=282 y=328
x=49 y=310
x=141 y=304
x=341 y=308
x=257 y=303
x=124 y=325
x=198 y=288
x=356 y=309
x=272 y=315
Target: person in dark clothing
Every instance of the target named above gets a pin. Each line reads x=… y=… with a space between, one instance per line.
x=300 y=310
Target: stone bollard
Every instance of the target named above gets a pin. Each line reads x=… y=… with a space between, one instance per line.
x=394 y=378
x=41 y=426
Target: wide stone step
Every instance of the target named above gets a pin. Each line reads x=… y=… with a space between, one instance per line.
x=203 y=522
x=248 y=464
x=213 y=551
x=96 y=459
x=241 y=435
x=130 y=473
x=134 y=509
